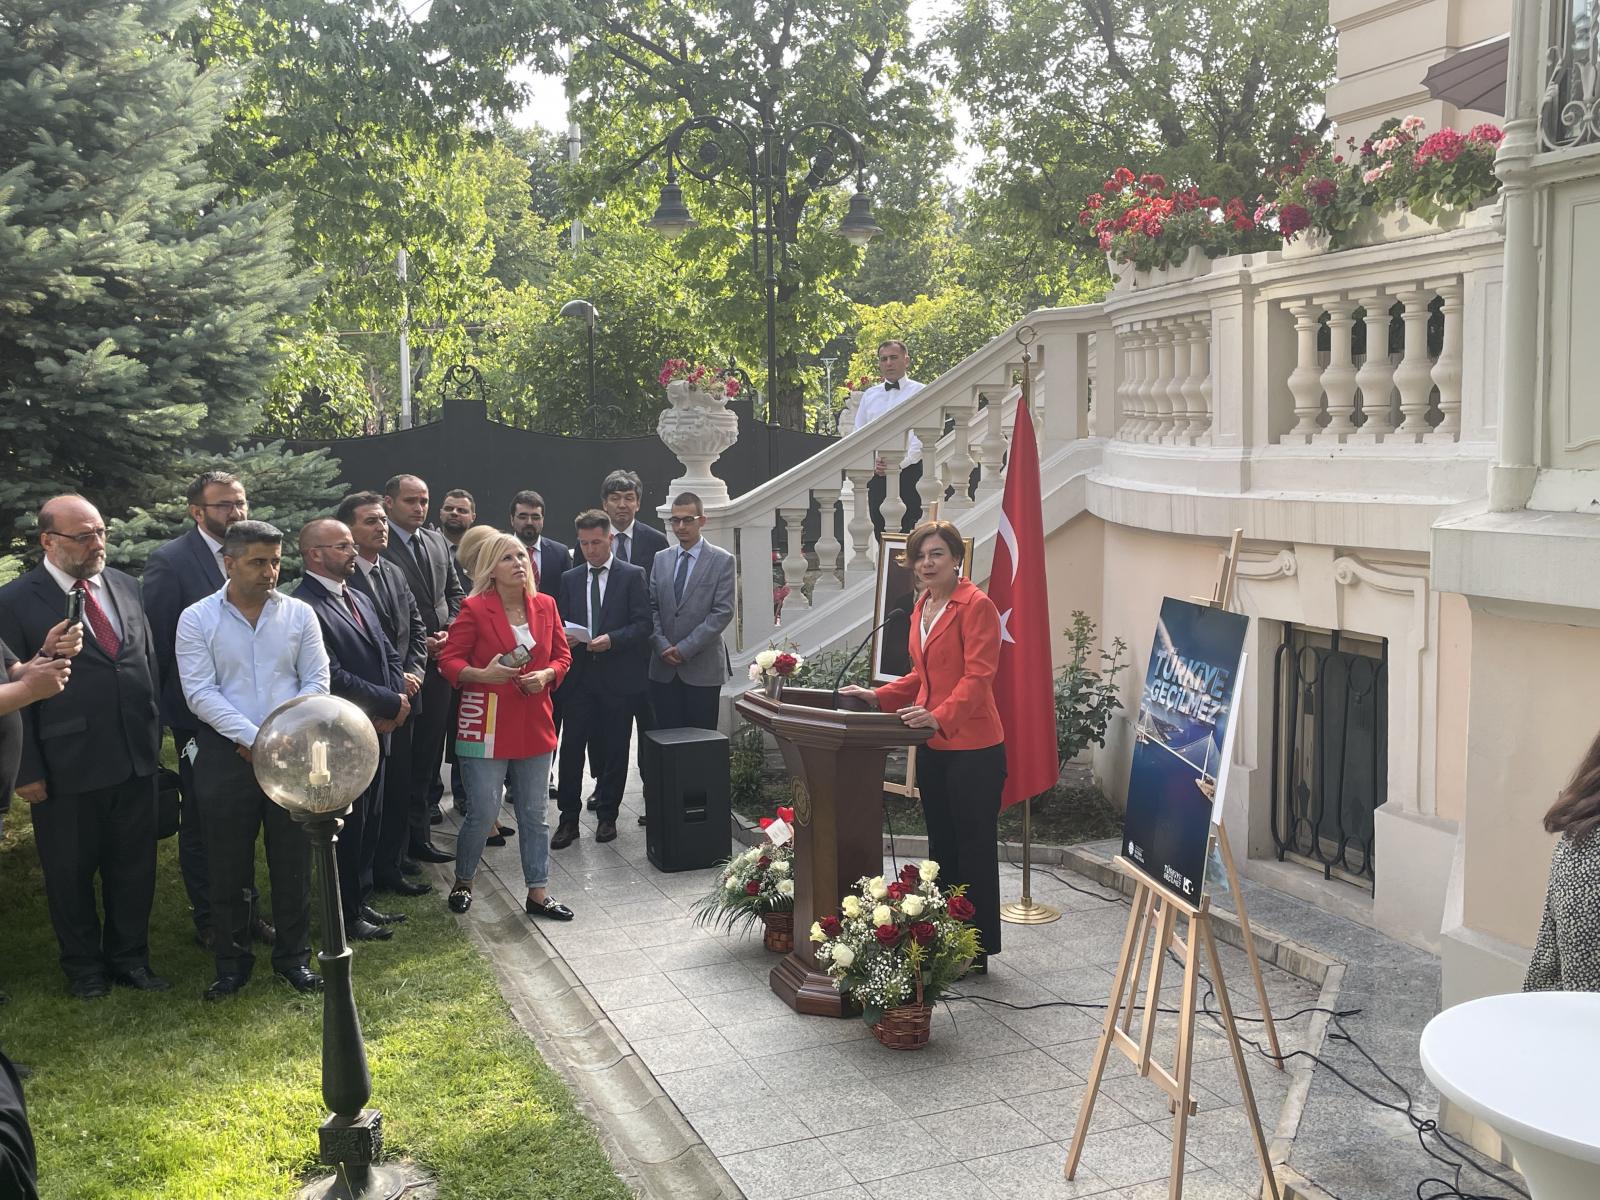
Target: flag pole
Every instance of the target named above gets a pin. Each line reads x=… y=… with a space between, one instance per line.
x=1027 y=910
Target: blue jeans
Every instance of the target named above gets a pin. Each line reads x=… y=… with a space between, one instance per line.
x=527 y=781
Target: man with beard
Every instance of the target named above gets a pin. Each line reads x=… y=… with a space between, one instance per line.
x=549 y=557
x=180 y=572
x=457 y=511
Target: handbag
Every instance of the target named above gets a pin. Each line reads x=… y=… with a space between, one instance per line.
x=167 y=786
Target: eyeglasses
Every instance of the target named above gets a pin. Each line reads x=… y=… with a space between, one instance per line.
x=229 y=505
x=86 y=538
x=683 y=520
x=341 y=547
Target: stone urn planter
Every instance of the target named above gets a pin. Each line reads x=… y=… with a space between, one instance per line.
x=697 y=427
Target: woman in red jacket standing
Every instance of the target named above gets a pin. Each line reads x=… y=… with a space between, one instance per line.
x=955 y=650
x=506 y=652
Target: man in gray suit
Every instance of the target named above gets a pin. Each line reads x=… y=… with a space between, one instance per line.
x=691 y=603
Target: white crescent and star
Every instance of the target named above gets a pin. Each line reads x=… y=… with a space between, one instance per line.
x=1009 y=537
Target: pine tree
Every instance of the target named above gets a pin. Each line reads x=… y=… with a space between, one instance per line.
x=137 y=310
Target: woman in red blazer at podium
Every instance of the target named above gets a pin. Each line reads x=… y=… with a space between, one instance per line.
x=955 y=650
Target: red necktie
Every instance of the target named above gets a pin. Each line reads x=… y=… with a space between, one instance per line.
x=350 y=603
x=98 y=621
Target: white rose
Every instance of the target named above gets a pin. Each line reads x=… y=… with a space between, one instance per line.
x=766 y=658
x=843 y=955
x=785 y=887
x=877 y=888
x=781 y=867
x=816 y=932
x=732 y=885
x=755 y=672
x=913 y=905
x=929 y=870
x=883 y=915
x=851 y=906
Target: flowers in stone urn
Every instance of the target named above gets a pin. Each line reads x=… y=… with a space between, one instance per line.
x=699 y=377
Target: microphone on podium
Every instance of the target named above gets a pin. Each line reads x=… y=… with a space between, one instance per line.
x=851 y=661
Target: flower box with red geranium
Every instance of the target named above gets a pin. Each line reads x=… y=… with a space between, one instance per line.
x=755 y=886
x=894 y=946
x=700 y=378
x=1145 y=222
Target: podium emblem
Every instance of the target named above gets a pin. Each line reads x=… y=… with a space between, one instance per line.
x=800 y=796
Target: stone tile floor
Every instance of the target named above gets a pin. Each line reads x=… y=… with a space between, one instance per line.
x=796 y=1106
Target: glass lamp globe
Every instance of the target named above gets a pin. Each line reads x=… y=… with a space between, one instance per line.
x=315 y=754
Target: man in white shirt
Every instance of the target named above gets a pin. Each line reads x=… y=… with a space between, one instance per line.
x=241 y=652
x=879 y=399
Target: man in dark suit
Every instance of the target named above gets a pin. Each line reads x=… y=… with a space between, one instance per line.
x=90 y=755
x=457 y=511
x=177 y=574
x=549 y=557
x=621 y=494
x=424 y=556
x=382 y=583
x=363 y=668
x=606 y=598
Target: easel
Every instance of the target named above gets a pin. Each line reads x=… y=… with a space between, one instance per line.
x=1156 y=910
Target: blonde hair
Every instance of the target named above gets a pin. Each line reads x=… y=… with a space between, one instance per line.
x=469 y=545
x=485 y=553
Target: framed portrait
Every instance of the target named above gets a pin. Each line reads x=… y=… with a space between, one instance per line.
x=897 y=588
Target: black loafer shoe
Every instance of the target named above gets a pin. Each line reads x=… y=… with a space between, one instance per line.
x=302 y=979
x=142 y=979
x=551 y=908
x=435 y=816
x=565 y=835
x=410 y=866
x=224 y=986
x=90 y=987
x=641 y=819
x=606 y=831
x=431 y=854
x=494 y=839
x=263 y=932
x=460 y=899
x=368 y=913
x=403 y=887
x=366 y=931
x=593 y=802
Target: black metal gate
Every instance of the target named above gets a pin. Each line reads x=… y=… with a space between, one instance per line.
x=1329 y=749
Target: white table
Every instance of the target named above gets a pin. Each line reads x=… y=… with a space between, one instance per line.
x=1528 y=1064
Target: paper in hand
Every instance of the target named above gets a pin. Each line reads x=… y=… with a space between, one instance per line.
x=576 y=633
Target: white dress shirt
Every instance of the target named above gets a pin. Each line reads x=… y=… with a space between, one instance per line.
x=878 y=400
x=627 y=533
x=234 y=673
x=605 y=578
x=216 y=548
x=97 y=588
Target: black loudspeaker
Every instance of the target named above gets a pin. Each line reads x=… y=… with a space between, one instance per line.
x=686 y=799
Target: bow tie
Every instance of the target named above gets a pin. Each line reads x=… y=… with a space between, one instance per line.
x=892 y=386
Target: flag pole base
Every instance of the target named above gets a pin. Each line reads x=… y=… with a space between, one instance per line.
x=1028 y=911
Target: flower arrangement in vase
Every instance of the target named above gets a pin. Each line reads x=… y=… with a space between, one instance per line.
x=699 y=377
x=1145 y=222
x=895 y=946
x=757 y=887
x=772 y=666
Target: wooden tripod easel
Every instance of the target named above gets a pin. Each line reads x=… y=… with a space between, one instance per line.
x=1156 y=911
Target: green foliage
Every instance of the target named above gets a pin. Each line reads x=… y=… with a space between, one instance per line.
x=141 y=306
x=820 y=670
x=1086 y=696
x=938 y=330
x=747 y=763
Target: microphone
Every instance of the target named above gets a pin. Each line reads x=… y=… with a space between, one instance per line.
x=851 y=661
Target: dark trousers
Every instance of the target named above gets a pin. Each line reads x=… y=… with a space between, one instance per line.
x=680 y=705
x=191 y=837
x=18 y=1162
x=597 y=720
x=236 y=811
x=436 y=791
x=357 y=848
x=878 y=491
x=394 y=821
x=961 y=804
x=427 y=751
x=109 y=832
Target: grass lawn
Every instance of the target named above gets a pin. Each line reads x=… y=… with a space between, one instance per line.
x=162 y=1095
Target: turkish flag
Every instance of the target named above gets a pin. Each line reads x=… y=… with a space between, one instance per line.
x=1024 y=690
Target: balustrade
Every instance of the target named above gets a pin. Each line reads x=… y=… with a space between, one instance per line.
x=1164 y=387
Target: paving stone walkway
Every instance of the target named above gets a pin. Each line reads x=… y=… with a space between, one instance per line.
x=744 y=1097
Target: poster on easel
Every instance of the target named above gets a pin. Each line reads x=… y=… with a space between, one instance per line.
x=1182 y=743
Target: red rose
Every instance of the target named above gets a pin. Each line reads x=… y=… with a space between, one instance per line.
x=909 y=875
x=830 y=926
x=888 y=935
x=785 y=814
x=922 y=932
x=785 y=664
x=752 y=888
x=897 y=891
x=961 y=908
x=763 y=862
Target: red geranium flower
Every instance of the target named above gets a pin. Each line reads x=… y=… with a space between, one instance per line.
x=830 y=926
x=752 y=888
x=1322 y=191
x=1445 y=145
x=961 y=908
x=922 y=932
x=887 y=935
x=1292 y=218
x=1486 y=132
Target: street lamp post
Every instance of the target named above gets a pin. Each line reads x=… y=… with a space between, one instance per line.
x=766 y=159
x=586 y=312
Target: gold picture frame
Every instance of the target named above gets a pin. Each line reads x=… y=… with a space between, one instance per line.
x=896 y=587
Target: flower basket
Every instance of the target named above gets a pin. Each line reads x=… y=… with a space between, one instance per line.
x=907 y=1026
x=778 y=936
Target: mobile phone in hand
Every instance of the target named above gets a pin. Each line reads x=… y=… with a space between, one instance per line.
x=515 y=658
x=75 y=606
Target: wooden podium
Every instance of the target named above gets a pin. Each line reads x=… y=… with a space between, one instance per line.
x=834 y=758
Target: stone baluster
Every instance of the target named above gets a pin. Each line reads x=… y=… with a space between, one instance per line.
x=830 y=573
x=893 y=508
x=929 y=488
x=955 y=471
x=1161 y=389
x=860 y=523
x=1196 y=345
x=1128 y=385
x=1413 y=378
x=1376 y=376
x=992 y=450
x=1339 y=376
x=1178 y=336
x=1202 y=360
x=794 y=558
x=756 y=626
x=1305 y=381
x=1447 y=371
x=1148 y=383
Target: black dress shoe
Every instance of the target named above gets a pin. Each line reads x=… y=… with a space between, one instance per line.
x=641 y=819
x=593 y=802
x=410 y=866
x=435 y=817
x=565 y=835
x=505 y=830
x=302 y=979
x=494 y=839
x=551 y=908
x=606 y=831
x=263 y=932
x=90 y=987
x=363 y=930
x=141 y=978
x=368 y=913
x=404 y=887
x=431 y=854
x=225 y=985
